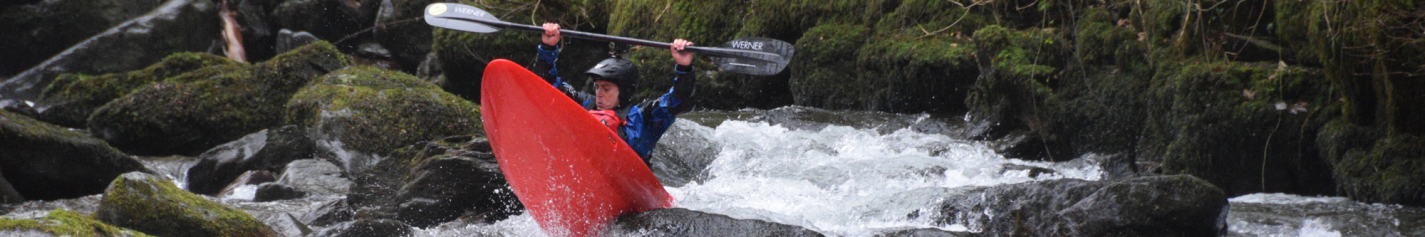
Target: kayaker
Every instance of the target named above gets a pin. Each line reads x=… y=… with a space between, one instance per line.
x=615 y=81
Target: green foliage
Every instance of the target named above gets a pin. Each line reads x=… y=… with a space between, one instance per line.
x=67 y=223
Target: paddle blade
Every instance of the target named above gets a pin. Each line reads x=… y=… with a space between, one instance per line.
x=460 y=17
x=770 y=58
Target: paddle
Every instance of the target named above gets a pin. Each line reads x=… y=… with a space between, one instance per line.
x=752 y=56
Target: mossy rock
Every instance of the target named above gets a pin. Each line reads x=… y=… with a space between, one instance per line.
x=1019 y=70
x=38 y=157
x=62 y=223
x=372 y=111
x=72 y=97
x=153 y=205
x=463 y=55
x=1178 y=28
x=1375 y=67
x=35 y=32
x=190 y=113
x=1371 y=166
x=436 y=181
x=1223 y=121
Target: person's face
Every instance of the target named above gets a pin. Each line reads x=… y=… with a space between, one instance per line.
x=606 y=94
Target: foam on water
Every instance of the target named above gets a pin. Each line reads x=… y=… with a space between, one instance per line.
x=842 y=180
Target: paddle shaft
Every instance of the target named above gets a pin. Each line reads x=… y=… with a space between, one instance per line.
x=715 y=51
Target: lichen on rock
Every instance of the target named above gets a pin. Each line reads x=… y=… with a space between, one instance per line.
x=154 y=205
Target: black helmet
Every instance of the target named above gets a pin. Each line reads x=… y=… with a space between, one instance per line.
x=619 y=71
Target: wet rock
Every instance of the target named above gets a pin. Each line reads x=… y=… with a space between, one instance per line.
x=1155 y=205
x=8 y=194
x=318 y=177
x=362 y=228
x=1030 y=171
x=330 y=213
x=62 y=223
x=154 y=205
x=1026 y=146
x=430 y=70
x=926 y=232
x=287 y=225
x=409 y=41
x=267 y=150
x=39 y=157
x=277 y=191
x=288 y=40
x=435 y=182
x=40 y=29
x=21 y=108
x=244 y=186
x=72 y=97
x=197 y=111
x=359 y=113
x=187 y=25
x=683 y=154
x=329 y=20
x=684 y=222
x=255 y=24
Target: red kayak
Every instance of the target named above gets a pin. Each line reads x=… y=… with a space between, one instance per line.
x=573 y=174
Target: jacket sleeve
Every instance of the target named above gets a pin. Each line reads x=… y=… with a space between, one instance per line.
x=547 y=67
x=650 y=119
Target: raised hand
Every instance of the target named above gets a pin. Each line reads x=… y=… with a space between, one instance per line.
x=551 y=34
x=680 y=56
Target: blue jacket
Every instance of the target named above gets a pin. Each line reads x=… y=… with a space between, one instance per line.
x=645 y=122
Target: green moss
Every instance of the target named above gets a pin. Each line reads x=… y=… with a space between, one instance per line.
x=67 y=223
x=189 y=113
x=380 y=110
x=72 y=97
x=154 y=205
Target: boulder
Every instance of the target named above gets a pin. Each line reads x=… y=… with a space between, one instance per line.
x=197 y=111
x=154 y=205
x=255 y=23
x=330 y=20
x=314 y=176
x=684 y=154
x=268 y=150
x=1177 y=205
x=329 y=213
x=62 y=223
x=39 y=157
x=684 y=222
x=407 y=39
x=288 y=40
x=245 y=186
x=434 y=182
x=8 y=194
x=40 y=29
x=276 y=191
x=360 y=113
x=1373 y=167
x=925 y=232
x=365 y=227
x=72 y=97
x=185 y=25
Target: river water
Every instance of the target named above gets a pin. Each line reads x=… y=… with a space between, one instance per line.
x=851 y=174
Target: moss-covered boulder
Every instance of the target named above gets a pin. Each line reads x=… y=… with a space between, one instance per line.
x=72 y=97
x=62 y=223
x=434 y=182
x=34 y=32
x=463 y=55
x=1245 y=127
x=190 y=113
x=1373 y=166
x=38 y=157
x=175 y=26
x=153 y=205
x=364 y=111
